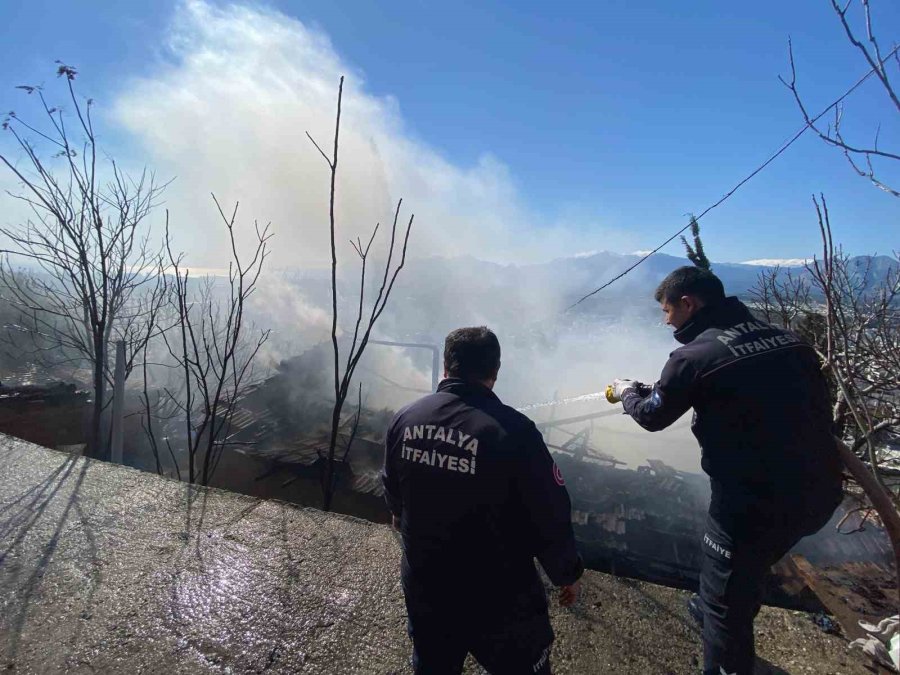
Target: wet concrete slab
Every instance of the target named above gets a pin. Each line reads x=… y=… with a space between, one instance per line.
x=108 y=569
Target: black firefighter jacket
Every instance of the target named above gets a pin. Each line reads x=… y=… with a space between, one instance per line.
x=478 y=497
x=761 y=411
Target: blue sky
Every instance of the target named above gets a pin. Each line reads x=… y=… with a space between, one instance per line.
x=606 y=122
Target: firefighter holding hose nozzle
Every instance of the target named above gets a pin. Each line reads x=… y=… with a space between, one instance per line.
x=762 y=416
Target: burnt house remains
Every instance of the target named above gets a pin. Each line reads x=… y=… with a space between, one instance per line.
x=643 y=522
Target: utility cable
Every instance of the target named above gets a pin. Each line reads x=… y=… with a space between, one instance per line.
x=762 y=166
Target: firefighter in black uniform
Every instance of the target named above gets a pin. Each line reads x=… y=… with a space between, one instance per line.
x=476 y=497
x=763 y=420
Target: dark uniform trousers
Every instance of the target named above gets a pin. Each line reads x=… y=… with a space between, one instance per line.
x=447 y=620
x=510 y=638
x=440 y=645
x=739 y=548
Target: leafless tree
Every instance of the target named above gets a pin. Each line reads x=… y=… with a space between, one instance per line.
x=862 y=354
x=861 y=348
x=214 y=348
x=857 y=330
x=854 y=313
x=781 y=296
x=365 y=320
x=157 y=408
x=95 y=278
x=860 y=156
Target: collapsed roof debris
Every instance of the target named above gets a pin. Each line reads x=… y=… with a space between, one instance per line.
x=51 y=414
x=642 y=522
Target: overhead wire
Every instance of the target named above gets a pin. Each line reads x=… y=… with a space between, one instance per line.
x=745 y=180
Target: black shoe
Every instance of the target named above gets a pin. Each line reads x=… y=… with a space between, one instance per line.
x=695 y=609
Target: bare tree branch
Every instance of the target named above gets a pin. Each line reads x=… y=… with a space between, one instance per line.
x=361 y=332
x=859 y=157
x=98 y=277
x=214 y=354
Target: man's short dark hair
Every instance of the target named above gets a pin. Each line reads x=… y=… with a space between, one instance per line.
x=691 y=280
x=472 y=353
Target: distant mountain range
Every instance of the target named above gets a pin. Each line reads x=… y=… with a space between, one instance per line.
x=437 y=293
x=738 y=278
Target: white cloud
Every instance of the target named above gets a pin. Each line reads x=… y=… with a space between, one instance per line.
x=228 y=113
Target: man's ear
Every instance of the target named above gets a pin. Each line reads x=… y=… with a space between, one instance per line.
x=691 y=303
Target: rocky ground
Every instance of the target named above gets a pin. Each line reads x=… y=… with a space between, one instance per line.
x=108 y=569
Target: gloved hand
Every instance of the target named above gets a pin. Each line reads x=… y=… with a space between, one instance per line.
x=621 y=386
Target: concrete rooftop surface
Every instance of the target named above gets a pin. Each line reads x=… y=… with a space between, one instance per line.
x=108 y=569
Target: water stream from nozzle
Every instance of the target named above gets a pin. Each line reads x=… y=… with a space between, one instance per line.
x=564 y=401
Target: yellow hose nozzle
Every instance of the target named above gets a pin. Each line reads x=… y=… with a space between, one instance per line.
x=611 y=394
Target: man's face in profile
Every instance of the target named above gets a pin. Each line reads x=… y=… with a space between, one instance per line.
x=678 y=312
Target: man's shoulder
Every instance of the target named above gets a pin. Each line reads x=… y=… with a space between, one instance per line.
x=719 y=346
x=419 y=406
x=698 y=355
x=514 y=420
x=510 y=420
x=504 y=415
x=693 y=349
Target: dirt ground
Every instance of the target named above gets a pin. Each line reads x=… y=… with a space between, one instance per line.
x=108 y=569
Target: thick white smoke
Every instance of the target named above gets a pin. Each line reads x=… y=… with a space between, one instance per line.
x=227 y=113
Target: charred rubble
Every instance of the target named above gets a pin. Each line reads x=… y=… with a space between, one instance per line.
x=50 y=413
x=642 y=522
